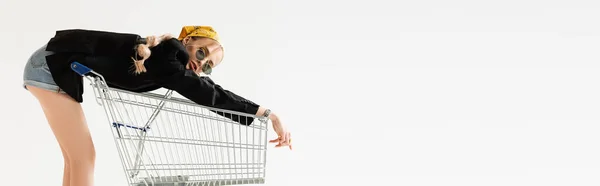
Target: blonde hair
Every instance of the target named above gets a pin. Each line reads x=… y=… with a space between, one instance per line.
x=143 y=50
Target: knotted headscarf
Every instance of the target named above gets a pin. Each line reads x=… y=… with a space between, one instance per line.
x=200 y=31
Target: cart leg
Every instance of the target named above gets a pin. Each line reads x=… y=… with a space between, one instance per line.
x=140 y=151
x=138 y=155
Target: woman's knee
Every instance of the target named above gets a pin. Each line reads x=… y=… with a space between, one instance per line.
x=81 y=148
x=82 y=156
x=64 y=153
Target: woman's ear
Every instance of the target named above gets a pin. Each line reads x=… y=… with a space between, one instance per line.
x=185 y=40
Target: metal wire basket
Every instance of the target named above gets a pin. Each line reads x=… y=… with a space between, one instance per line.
x=163 y=140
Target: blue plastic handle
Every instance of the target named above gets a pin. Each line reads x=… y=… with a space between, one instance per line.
x=115 y=124
x=80 y=69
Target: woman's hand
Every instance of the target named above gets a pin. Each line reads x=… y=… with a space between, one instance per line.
x=143 y=51
x=152 y=41
x=284 y=138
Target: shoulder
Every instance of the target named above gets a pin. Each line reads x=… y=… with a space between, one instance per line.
x=171 y=44
x=169 y=50
x=167 y=59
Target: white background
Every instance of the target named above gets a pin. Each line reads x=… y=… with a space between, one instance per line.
x=419 y=93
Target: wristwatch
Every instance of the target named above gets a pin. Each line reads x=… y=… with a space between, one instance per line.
x=266 y=115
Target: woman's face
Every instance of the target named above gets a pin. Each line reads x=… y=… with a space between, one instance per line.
x=205 y=54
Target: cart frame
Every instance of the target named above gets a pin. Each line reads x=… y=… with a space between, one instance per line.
x=182 y=153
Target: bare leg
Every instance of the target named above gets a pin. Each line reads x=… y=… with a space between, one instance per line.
x=67 y=168
x=68 y=124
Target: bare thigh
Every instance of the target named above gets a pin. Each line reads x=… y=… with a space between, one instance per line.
x=67 y=121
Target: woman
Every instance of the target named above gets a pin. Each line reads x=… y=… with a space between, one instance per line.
x=129 y=62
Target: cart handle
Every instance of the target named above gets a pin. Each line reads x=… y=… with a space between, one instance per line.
x=82 y=70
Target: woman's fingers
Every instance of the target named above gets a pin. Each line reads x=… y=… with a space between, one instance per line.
x=166 y=37
x=286 y=138
x=290 y=140
x=283 y=140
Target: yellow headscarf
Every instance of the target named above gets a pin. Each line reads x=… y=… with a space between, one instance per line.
x=200 y=31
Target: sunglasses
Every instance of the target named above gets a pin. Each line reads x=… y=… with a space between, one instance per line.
x=201 y=54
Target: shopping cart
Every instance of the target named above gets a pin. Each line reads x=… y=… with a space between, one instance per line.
x=164 y=140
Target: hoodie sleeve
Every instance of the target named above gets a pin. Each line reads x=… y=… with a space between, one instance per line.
x=201 y=90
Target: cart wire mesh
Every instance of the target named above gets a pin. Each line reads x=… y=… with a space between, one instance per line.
x=163 y=140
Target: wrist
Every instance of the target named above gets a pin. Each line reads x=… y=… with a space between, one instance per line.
x=273 y=117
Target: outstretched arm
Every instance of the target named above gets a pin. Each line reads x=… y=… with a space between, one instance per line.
x=203 y=91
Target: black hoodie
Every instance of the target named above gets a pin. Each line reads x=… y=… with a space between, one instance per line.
x=109 y=54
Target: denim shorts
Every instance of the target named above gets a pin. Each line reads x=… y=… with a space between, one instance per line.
x=37 y=73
